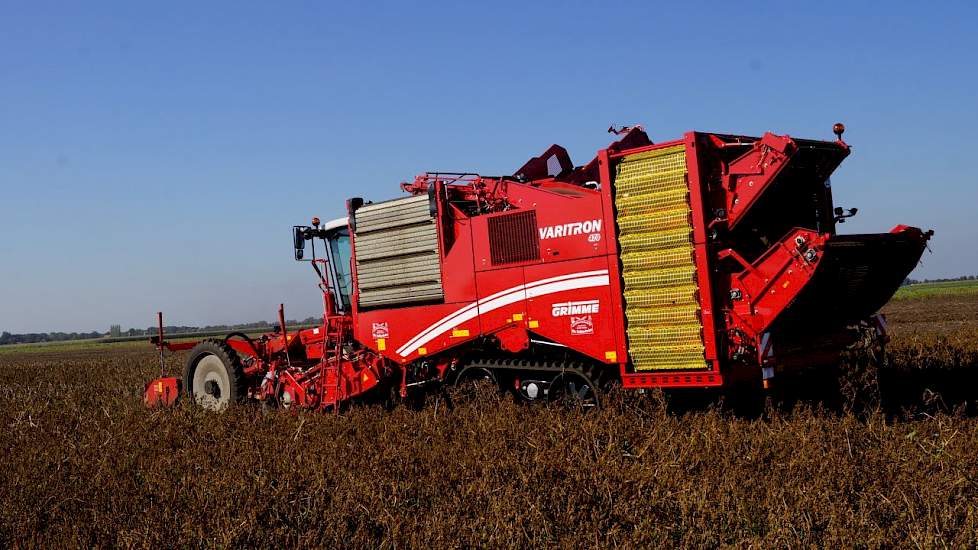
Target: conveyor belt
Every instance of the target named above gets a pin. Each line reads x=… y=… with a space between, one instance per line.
x=856 y=277
x=662 y=313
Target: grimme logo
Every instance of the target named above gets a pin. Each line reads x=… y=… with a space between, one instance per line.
x=380 y=330
x=575 y=308
x=570 y=229
x=582 y=325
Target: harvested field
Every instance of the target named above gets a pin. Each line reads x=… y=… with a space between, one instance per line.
x=86 y=465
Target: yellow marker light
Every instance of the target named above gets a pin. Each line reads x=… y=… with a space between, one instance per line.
x=517 y=316
x=159 y=388
x=422 y=351
x=382 y=344
x=534 y=324
x=611 y=356
x=460 y=333
x=364 y=377
x=785 y=285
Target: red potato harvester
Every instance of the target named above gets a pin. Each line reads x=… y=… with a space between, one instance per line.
x=705 y=261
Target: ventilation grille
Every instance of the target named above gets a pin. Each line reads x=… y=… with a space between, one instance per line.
x=513 y=237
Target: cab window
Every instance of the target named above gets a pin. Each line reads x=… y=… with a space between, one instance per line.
x=339 y=246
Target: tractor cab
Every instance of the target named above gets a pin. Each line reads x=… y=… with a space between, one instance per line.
x=334 y=253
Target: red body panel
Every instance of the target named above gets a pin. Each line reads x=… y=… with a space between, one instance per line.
x=162 y=392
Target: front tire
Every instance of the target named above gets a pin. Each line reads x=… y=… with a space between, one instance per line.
x=214 y=376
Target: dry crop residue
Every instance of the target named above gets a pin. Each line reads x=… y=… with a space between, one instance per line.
x=86 y=465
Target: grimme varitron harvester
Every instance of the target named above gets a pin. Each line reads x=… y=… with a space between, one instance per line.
x=698 y=262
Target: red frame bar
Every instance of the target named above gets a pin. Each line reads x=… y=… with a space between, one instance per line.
x=672 y=380
x=614 y=271
x=700 y=247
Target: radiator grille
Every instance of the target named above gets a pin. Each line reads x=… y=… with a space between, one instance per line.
x=513 y=237
x=664 y=326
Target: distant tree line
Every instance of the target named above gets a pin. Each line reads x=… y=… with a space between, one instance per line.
x=909 y=281
x=33 y=337
x=116 y=331
x=243 y=327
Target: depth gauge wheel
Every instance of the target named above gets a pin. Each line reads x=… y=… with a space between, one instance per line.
x=472 y=382
x=214 y=376
x=573 y=390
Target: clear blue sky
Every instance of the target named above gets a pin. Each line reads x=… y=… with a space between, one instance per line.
x=154 y=155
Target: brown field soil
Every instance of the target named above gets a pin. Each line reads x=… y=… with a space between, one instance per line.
x=85 y=465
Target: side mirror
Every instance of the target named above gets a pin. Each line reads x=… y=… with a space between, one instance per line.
x=299 y=240
x=841 y=214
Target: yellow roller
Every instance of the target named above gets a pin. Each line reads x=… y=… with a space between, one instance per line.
x=664 y=316
x=658 y=266
x=651 y=164
x=660 y=279
x=686 y=335
x=666 y=181
x=647 y=261
x=665 y=357
x=643 y=205
x=669 y=219
x=656 y=240
x=673 y=296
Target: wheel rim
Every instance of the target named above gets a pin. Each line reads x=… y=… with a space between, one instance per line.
x=211 y=383
x=472 y=382
x=476 y=377
x=285 y=400
x=574 y=391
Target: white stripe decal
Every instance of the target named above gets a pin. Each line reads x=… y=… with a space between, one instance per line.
x=451 y=318
x=585 y=279
x=560 y=286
